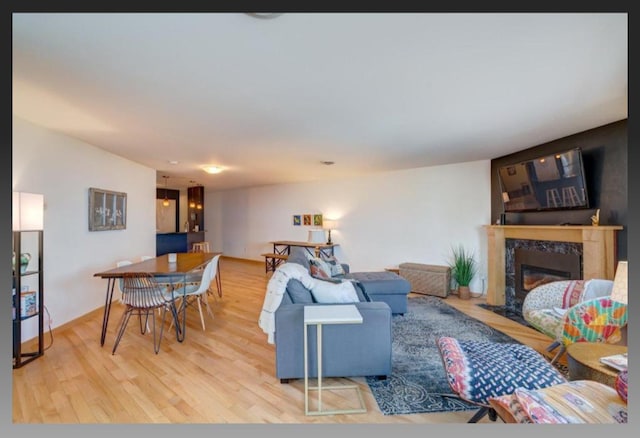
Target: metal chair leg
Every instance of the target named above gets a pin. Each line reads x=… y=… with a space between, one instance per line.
x=558 y=354
x=124 y=320
x=479 y=415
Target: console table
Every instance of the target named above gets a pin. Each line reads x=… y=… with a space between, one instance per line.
x=283 y=247
x=318 y=316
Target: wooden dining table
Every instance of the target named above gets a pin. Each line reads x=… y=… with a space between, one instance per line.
x=164 y=271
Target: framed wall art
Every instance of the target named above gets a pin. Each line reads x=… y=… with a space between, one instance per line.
x=317 y=220
x=296 y=219
x=306 y=219
x=107 y=210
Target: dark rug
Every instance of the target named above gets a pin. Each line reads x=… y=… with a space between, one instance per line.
x=418 y=382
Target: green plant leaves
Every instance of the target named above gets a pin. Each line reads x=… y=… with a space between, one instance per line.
x=463 y=265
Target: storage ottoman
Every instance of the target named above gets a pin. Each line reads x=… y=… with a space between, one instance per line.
x=384 y=286
x=427 y=279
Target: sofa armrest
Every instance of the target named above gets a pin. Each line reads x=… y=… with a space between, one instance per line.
x=345 y=267
x=348 y=349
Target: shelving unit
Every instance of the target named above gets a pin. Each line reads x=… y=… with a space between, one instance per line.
x=25 y=311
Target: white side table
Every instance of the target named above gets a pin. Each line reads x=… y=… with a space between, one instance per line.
x=318 y=316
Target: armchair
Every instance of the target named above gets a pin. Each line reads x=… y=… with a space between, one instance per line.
x=544 y=307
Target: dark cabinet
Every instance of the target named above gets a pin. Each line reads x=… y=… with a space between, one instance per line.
x=28 y=294
x=195 y=199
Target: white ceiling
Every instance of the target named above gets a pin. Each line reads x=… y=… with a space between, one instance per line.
x=269 y=99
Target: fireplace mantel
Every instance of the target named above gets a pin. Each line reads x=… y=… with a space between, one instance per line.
x=598 y=250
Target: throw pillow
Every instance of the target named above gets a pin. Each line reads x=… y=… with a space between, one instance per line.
x=319 y=268
x=596 y=288
x=334 y=265
x=334 y=293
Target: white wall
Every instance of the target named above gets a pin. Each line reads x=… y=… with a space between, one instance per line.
x=384 y=219
x=63 y=169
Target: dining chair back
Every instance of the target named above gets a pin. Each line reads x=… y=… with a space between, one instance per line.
x=141 y=294
x=197 y=292
x=120 y=263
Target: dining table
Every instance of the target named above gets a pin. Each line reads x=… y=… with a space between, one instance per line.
x=165 y=271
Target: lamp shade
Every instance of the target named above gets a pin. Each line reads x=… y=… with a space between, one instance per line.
x=316 y=236
x=620 y=291
x=28 y=211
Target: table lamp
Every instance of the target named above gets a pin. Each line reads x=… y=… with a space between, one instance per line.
x=329 y=224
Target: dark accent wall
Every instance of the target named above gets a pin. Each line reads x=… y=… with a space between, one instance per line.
x=604 y=153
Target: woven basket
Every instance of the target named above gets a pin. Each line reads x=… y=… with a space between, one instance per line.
x=427 y=279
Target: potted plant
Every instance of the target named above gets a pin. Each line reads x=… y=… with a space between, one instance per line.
x=463 y=268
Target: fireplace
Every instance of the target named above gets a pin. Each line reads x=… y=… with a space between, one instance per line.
x=595 y=245
x=535 y=268
x=530 y=263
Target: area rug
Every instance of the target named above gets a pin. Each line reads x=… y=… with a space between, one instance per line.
x=418 y=382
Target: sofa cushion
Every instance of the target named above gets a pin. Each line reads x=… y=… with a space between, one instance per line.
x=298 y=293
x=298 y=255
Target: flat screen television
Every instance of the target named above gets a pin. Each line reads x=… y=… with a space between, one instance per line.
x=551 y=182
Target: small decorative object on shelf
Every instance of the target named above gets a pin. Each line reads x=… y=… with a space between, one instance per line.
x=25 y=258
x=595 y=219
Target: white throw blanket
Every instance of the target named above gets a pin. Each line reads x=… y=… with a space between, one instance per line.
x=275 y=290
x=278 y=284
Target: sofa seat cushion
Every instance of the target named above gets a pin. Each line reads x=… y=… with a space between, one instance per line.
x=384 y=286
x=387 y=283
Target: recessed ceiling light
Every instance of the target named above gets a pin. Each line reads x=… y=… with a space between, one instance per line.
x=174 y=162
x=327 y=163
x=213 y=169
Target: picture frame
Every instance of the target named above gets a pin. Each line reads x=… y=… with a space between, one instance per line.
x=296 y=220
x=306 y=219
x=107 y=210
x=317 y=220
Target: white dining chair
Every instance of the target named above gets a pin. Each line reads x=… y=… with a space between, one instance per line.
x=197 y=292
x=119 y=264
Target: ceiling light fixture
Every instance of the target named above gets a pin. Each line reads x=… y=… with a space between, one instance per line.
x=328 y=163
x=173 y=162
x=213 y=169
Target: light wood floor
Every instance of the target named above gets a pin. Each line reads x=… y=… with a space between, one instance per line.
x=222 y=375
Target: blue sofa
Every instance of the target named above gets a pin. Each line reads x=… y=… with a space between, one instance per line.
x=349 y=350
